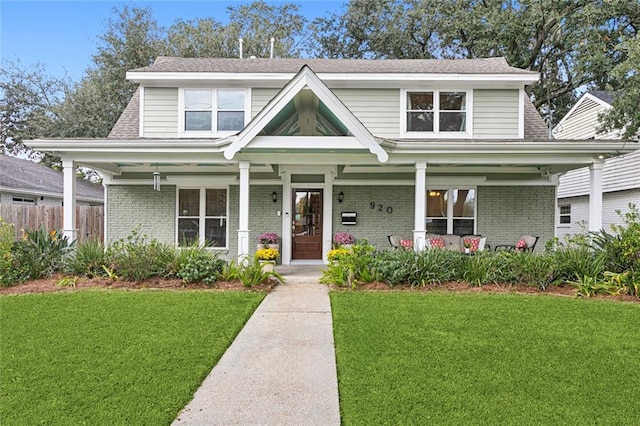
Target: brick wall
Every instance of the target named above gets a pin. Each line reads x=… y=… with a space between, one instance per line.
x=131 y=206
x=263 y=213
x=507 y=212
x=373 y=224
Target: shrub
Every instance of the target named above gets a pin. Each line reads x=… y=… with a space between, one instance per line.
x=349 y=266
x=8 y=274
x=134 y=259
x=534 y=269
x=418 y=268
x=251 y=273
x=87 y=259
x=574 y=262
x=197 y=264
x=482 y=268
x=40 y=253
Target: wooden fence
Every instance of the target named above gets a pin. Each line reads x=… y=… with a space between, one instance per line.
x=89 y=219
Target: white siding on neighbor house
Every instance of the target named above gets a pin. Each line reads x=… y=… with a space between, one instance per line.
x=618 y=174
x=582 y=123
x=160 y=112
x=579 y=217
x=495 y=113
x=610 y=203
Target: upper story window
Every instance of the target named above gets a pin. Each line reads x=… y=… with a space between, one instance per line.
x=435 y=112
x=214 y=111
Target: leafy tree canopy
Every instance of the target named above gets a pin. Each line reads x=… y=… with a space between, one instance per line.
x=571 y=43
x=625 y=113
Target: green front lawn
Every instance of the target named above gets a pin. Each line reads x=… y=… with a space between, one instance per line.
x=96 y=357
x=432 y=358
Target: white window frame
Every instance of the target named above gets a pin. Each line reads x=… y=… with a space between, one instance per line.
x=27 y=201
x=561 y=215
x=404 y=133
x=450 y=218
x=214 y=116
x=202 y=214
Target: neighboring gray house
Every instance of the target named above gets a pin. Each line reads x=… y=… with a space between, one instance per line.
x=26 y=182
x=620 y=174
x=221 y=150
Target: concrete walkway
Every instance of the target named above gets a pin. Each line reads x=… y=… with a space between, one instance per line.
x=280 y=369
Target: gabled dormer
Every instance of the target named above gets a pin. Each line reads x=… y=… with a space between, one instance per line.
x=395 y=99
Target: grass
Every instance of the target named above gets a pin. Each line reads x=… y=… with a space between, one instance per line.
x=96 y=357
x=409 y=358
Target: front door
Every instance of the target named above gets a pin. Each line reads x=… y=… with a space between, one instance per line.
x=307 y=224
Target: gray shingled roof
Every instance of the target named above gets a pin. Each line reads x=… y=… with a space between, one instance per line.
x=293 y=65
x=534 y=126
x=605 y=95
x=18 y=174
x=127 y=126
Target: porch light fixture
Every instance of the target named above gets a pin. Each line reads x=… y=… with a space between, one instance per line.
x=274 y=196
x=341 y=197
x=434 y=193
x=156 y=179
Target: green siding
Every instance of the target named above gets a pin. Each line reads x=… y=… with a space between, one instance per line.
x=377 y=109
x=495 y=113
x=160 y=112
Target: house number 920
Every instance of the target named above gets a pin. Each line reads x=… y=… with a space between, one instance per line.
x=380 y=207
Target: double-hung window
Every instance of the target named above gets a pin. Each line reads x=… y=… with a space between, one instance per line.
x=565 y=214
x=436 y=113
x=213 y=111
x=451 y=211
x=202 y=217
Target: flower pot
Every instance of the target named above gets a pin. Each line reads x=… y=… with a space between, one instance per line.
x=273 y=246
x=267 y=265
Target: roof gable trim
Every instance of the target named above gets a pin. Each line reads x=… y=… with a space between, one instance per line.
x=306 y=78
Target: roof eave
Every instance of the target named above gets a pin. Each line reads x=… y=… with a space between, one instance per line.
x=148 y=77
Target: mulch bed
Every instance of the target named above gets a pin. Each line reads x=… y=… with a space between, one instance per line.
x=52 y=284
x=463 y=287
x=48 y=285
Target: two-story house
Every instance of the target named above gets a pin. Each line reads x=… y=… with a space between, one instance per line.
x=620 y=174
x=309 y=147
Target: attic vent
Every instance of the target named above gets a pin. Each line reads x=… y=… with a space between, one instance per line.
x=586 y=105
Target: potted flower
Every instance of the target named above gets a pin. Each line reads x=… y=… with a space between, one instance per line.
x=467 y=246
x=267 y=257
x=268 y=240
x=343 y=239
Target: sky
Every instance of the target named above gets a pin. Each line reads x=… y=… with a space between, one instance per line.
x=63 y=35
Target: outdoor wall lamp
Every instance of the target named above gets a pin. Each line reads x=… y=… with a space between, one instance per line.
x=341 y=197
x=274 y=196
x=156 y=179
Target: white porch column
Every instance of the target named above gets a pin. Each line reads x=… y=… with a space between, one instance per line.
x=595 y=196
x=69 y=200
x=287 y=216
x=419 y=231
x=327 y=215
x=243 y=227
